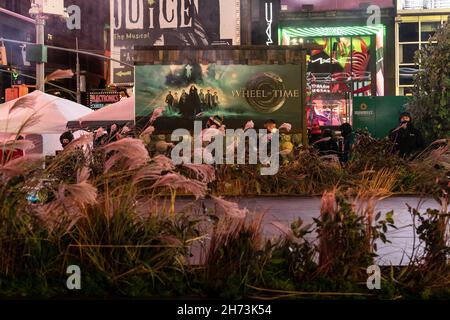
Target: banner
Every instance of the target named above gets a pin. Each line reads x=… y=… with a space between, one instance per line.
x=265 y=29
x=169 y=23
x=235 y=93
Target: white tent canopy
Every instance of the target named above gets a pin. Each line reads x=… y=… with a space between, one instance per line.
x=120 y=112
x=46 y=116
x=45 y=113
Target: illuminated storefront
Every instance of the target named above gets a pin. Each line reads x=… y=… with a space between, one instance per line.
x=350 y=63
x=416 y=22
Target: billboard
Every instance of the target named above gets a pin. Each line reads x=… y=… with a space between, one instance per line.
x=235 y=92
x=265 y=22
x=169 y=23
x=331 y=5
x=346 y=63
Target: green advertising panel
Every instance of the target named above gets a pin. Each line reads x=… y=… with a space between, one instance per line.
x=377 y=114
x=235 y=92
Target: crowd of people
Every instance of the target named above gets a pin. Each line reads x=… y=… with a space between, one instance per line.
x=407 y=140
x=102 y=137
x=192 y=103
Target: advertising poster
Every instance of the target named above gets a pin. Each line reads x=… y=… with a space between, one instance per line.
x=349 y=63
x=169 y=23
x=236 y=93
x=265 y=28
x=339 y=69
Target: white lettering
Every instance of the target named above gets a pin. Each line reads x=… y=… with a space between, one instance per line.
x=269 y=20
x=74 y=19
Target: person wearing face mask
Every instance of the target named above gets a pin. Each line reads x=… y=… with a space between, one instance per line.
x=406 y=138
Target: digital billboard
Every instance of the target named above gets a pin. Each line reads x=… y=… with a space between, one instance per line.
x=169 y=23
x=348 y=62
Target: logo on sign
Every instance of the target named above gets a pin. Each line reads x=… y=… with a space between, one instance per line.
x=269 y=20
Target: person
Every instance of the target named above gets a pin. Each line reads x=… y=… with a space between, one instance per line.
x=327 y=145
x=193 y=102
x=271 y=126
x=208 y=100
x=315 y=134
x=123 y=94
x=182 y=104
x=215 y=100
x=406 y=138
x=67 y=170
x=201 y=95
x=214 y=122
x=113 y=133
x=125 y=131
x=66 y=138
x=349 y=138
x=6 y=154
x=184 y=96
x=175 y=102
x=169 y=99
x=100 y=138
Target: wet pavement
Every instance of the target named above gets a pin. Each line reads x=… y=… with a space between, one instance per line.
x=288 y=209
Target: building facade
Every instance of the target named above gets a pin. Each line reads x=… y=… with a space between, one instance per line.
x=415 y=23
x=90 y=28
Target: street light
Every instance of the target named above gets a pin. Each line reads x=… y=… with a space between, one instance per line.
x=40 y=10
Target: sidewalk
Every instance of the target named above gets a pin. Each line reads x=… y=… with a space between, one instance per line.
x=288 y=209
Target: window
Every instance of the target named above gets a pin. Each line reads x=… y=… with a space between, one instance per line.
x=428 y=29
x=409 y=32
x=412 y=35
x=407 y=52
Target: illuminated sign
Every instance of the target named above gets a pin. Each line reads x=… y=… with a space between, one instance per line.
x=269 y=20
x=265 y=22
x=100 y=99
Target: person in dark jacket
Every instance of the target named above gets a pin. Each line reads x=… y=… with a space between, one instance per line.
x=328 y=144
x=315 y=133
x=407 y=139
x=349 y=138
x=66 y=138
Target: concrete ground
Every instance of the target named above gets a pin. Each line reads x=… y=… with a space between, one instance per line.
x=287 y=209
